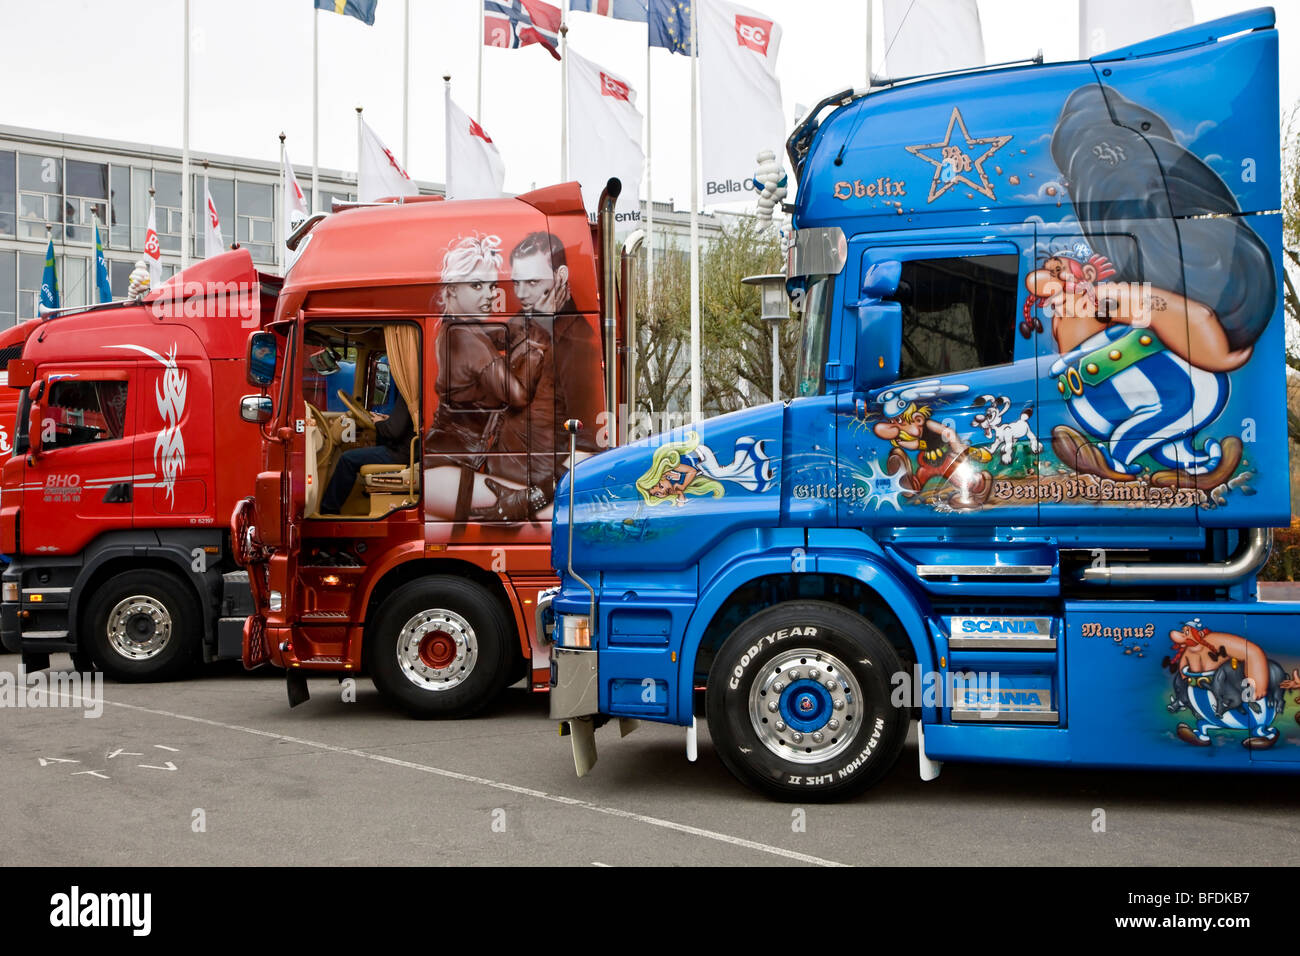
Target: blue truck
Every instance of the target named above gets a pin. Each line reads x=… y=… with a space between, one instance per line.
x=1026 y=482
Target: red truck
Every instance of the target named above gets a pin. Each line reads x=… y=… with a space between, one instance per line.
x=414 y=546
x=115 y=500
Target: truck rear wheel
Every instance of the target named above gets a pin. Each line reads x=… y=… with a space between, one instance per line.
x=441 y=647
x=798 y=703
x=143 y=626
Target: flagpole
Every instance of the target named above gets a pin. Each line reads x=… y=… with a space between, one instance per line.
x=360 y=147
x=696 y=387
x=868 y=44
x=478 y=104
x=446 y=131
x=649 y=199
x=406 y=84
x=207 y=213
x=284 y=198
x=185 y=147
x=315 y=110
x=564 y=92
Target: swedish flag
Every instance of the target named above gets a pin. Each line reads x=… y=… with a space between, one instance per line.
x=670 y=25
x=363 y=10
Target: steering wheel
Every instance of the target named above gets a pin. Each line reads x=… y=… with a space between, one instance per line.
x=360 y=414
x=327 y=446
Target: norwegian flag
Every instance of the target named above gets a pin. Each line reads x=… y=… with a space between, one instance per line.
x=516 y=23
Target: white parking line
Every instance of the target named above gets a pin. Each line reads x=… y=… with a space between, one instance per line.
x=494 y=784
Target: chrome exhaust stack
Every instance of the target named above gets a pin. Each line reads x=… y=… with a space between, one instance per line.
x=1253 y=547
x=609 y=301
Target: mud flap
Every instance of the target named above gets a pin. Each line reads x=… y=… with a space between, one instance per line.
x=582 y=732
x=296 y=684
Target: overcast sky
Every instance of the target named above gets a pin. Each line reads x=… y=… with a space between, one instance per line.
x=112 y=68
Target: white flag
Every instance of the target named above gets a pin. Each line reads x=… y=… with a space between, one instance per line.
x=295 y=203
x=152 y=250
x=1106 y=25
x=740 y=97
x=605 y=138
x=212 y=242
x=932 y=36
x=381 y=174
x=474 y=167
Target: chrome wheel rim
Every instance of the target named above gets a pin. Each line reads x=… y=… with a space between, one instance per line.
x=805 y=706
x=437 y=650
x=139 y=627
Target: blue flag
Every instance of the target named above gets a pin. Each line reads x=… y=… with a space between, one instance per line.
x=102 y=288
x=49 y=282
x=363 y=10
x=670 y=25
x=618 y=9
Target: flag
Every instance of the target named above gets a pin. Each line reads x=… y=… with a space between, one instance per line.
x=49 y=284
x=152 y=249
x=103 y=290
x=670 y=25
x=363 y=10
x=740 y=97
x=381 y=175
x=474 y=166
x=516 y=23
x=604 y=137
x=618 y=9
x=213 y=244
x=295 y=203
x=1106 y=25
x=931 y=36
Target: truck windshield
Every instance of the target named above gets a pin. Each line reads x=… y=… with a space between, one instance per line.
x=815 y=323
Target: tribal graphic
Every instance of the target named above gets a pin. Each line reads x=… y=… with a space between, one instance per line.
x=169 y=449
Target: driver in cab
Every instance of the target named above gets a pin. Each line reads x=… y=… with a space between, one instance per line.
x=393 y=434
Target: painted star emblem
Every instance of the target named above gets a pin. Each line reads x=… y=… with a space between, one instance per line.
x=954 y=163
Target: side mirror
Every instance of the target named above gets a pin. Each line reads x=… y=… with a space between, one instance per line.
x=21 y=373
x=35 y=393
x=261 y=359
x=879 y=345
x=256 y=409
x=880 y=279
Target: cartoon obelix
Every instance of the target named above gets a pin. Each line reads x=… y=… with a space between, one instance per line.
x=1005 y=434
x=1144 y=366
x=1228 y=683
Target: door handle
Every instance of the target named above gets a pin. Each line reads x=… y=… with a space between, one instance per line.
x=120 y=493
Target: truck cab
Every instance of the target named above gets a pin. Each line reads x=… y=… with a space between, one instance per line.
x=407 y=533
x=116 y=498
x=1035 y=448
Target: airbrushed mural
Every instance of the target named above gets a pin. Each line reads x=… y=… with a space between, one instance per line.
x=1142 y=306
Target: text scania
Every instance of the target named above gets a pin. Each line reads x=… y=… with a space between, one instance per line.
x=102 y=910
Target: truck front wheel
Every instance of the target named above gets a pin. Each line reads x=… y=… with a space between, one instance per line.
x=440 y=647
x=798 y=703
x=144 y=626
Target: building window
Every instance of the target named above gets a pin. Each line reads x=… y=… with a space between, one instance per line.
x=167 y=197
x=256 y=226
x=40 y=194
x=87 y=200
x=119 y=277
x=958 y=314
x=119 y=208
x=8 y=194
x=8 y=288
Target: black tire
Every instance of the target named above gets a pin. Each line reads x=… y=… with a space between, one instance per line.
x=441 y=647
x=860 y=733
x=132 y=612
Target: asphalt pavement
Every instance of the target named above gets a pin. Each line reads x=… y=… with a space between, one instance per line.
x=218 y=770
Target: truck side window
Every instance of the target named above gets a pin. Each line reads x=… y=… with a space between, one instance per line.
x=958 y=314
x=86 y=411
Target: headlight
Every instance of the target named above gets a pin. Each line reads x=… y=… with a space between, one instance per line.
x=10 y=591
x=576 y=631
x=275 y=601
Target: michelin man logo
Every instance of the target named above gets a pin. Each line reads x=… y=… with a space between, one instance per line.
x=769 y=182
